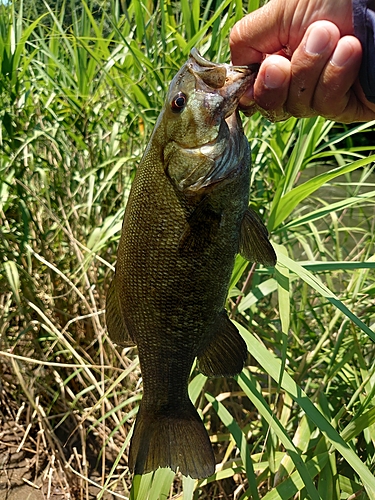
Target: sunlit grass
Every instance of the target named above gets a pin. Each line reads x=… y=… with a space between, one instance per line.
x=77 y=112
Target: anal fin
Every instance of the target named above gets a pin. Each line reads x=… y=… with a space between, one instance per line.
x=226 y=353
x=254 y=243
x=116 y=326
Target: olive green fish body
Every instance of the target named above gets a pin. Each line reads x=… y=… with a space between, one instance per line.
x=185 y=221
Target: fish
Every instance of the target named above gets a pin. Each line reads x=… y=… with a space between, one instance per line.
x=186 y=218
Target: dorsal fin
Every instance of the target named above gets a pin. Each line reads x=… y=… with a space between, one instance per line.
x=114 y=317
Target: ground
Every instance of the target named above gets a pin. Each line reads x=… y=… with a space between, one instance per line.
x=29 y=470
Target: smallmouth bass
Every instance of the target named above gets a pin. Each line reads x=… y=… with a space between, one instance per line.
x=186 y=219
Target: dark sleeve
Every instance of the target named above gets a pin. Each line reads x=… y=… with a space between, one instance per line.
x=364 y=29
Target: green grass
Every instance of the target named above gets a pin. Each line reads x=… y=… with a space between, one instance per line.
x=77 y=111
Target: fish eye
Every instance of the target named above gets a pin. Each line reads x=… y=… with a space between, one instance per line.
x=178 y=102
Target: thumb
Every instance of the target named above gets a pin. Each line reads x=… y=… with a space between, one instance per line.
x=261 y=32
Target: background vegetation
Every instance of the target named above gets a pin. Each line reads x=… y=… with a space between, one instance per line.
x=77 y=110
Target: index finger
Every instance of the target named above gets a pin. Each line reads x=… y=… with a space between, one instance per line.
x=256 y=34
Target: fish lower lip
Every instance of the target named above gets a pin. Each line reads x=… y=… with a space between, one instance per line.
x=211 y=149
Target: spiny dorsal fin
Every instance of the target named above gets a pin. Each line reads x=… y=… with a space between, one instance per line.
x=226 y=353
x=254 y=243
x=116 y=327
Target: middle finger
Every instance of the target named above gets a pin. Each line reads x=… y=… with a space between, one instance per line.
x=307 y=63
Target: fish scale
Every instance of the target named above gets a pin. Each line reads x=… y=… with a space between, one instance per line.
x=186 y=219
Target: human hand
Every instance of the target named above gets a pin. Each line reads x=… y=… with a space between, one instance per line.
x=310 y=61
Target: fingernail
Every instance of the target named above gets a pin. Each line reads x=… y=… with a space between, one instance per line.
x=317 y=41
x=274 y=77
x=341 y=55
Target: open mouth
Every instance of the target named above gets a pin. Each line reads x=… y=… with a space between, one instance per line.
x=230 y=82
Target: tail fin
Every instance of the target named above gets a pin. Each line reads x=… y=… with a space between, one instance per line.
x=173 y=439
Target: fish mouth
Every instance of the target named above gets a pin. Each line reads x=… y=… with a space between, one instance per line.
x=230 y=82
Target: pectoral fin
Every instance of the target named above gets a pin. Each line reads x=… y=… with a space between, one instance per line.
x=226 y=354
x=116 y=326
x=254 y=243
x=200 y=230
